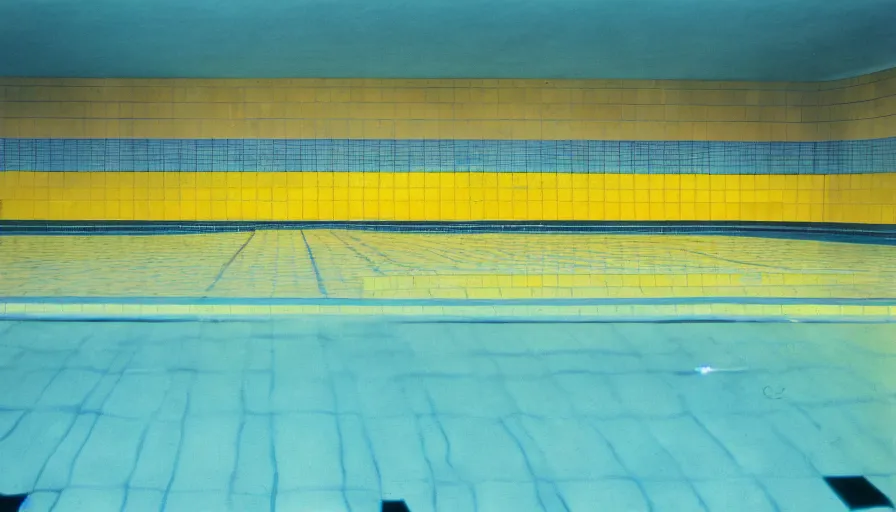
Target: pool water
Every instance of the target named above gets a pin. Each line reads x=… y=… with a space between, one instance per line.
x=339 y=264
x=113 y=399
x=334 y=414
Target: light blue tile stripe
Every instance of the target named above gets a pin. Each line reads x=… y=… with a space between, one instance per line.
x=348 y=155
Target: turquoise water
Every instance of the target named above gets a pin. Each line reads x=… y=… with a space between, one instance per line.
x=327 y=414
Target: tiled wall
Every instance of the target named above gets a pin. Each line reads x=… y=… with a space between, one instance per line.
x=867 y=107
x=448 y=150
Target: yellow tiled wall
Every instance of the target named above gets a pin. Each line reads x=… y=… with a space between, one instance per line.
x=863 y=198
x=859 y=108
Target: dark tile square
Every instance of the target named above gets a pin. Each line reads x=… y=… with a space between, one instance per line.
x=395 y=506
x=12 y=503
x=857 y=492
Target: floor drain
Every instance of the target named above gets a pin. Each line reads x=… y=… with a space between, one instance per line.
x=395 y=506
x=857 y=492
x=12 y=503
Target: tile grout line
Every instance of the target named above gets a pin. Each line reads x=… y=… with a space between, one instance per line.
x=230 y=262
x=320 y=282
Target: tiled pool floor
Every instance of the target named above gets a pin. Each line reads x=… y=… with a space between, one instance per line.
x=346 y=264
x=327 y=414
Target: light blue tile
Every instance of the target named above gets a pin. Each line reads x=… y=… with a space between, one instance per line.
x=207 y=454
x=143 y=500
x=109 y=455
x=257 y=392
x=736 y=495
x=312 y=501
x=221 y=394
x=158 y=455
x=617 y=494
x=46 y=338
x=875 y=456
x=57 y=472
x=672 y=496
x=79 y=500
x=41 y=501
x=519 y=366
x=177 y=398
x=42 y=360
x=757 y=448
x=799 y=494
x=590 y=395
x=823 y=449
x=150 y=387
x=100 y=393
x=637 y=449
x=259 y=357
x=697 y=453
x=207 y=501
x=469 y=397
x=294 y=393
x=93 y=356
x=398 y=450
x=361 y=471
x=255 y=469
x=521 y=497
x=483 y=449
x=8 y=420
x=69 y=389
x=8 y=355
x=645 y=395
x=22 y=389
x=213 y=355
x=25 y=450
x=382 y=398
x=455 y=497
x=250 y=502
x=565 y=449
x=308 y=451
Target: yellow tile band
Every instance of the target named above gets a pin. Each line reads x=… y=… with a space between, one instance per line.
x=858 y=108
x=630 y=286
x=445 y=196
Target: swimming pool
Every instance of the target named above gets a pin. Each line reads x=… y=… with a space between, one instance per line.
x=349 y=370
x=456 y=294
x=333 y=413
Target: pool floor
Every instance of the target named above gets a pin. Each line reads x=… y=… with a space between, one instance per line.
x=343 y=271
x=332 y=414
x=494 y=375
x=347 y=264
